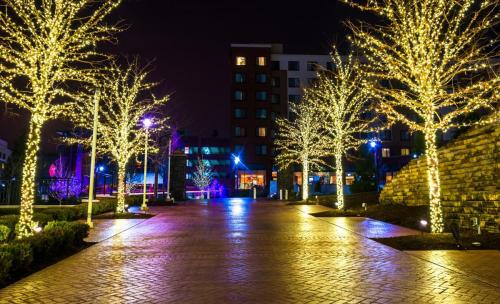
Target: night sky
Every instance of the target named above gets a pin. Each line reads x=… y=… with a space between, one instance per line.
x=189 y=43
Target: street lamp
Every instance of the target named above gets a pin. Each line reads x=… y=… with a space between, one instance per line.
x=373 y=145
x=147 y=124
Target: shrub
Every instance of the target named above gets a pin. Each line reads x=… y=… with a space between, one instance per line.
x=22 y=256
x=5 y=265
x=4 y=233
x=42 y=218
x=63 y=213
x=9 y=221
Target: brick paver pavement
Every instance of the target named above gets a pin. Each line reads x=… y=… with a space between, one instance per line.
x=244 y=252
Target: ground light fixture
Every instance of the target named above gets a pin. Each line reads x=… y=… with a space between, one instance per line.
x=423 y=224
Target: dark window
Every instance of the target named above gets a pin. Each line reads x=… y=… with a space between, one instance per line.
x=273 y=116
x=239 y=132
x=311 y=81
x=311 y=65
x=261 y=95
x=261 y=150
x=386 y=135
x=238 y=148
x=329 y=66
x=293 y=66
x=261 y=113
x=239 y=77
x=261 y=78
x=275 y=98
x=240 y=113
x=293 y=82
x=405 y=135
x=294 y=98
x=239 y=95
x=275 y=65
x=275 y=82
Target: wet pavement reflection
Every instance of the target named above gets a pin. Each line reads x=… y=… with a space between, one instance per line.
x=244 y=251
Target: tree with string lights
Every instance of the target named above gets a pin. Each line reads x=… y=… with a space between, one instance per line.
x=433 y=62
x=125 y=100
x=301 y=139
x=203 y=175
x=45 y=47
x=343 y=103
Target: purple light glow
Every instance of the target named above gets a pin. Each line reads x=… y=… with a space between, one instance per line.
x=147 y=123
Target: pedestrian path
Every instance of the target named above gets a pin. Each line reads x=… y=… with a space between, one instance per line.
x=242 y=251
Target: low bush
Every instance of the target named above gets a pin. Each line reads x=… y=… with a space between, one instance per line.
x=4 y=233
x=9 y=221
x=19 y=257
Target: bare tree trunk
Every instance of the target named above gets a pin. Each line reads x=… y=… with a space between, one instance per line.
x=25 y=226
x=436 y=214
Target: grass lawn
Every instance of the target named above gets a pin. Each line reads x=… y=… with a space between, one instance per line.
x=444 y=241
x=406 y=216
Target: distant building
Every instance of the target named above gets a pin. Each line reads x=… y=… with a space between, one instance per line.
x=216 y=152
x=4 y=155
x=264 y=81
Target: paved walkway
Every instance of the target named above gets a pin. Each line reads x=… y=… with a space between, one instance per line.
x=237 y=251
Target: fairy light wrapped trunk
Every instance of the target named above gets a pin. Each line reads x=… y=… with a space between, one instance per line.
x=46 y=48
x=125 y=100
x=433 y=60
x=344 y=105
x=302 y=140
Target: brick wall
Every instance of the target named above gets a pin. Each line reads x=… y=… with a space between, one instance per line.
x=470 y=179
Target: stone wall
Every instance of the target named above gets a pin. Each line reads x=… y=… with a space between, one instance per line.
x=470 y=179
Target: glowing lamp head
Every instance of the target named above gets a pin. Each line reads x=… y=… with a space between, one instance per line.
x=414 y=155
x=101 y=168
x=423 y=223
x=37 y=229
x=236 y=160
x=147 y=123
x=373 y=144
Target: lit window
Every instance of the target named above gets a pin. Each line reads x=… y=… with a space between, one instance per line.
x=240 y=60
x=405 y=151
x=388 y=177
x=261 y=113
x=386 y=152
x=261 y=132
x=186 y=150
x=261 y=61
x=261 y=78
x=239 y=77
x=239 y=132
x=239 y=95
x=261 y=96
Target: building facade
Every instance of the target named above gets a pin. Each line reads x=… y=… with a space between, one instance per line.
x=4 y=155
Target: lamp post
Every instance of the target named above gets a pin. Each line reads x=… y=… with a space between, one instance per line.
x=92 y=161
x=168 y=172
x=373 y=145
x=147 y=123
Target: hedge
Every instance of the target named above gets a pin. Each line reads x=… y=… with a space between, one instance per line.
x=19 y=257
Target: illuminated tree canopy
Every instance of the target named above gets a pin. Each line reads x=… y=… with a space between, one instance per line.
x=434 y=64
x=125 y=99
x=45 y=48
x=301 y=139
x=345 y=107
